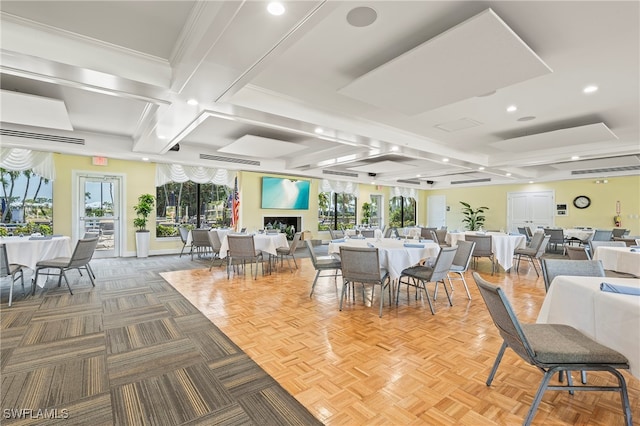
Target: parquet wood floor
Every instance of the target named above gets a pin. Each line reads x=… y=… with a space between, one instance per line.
x=408 y=367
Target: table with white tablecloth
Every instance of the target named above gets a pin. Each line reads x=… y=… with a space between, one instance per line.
x=394 y=255
x=27 y=251
x=502 y=245
x=268 y=243
x=583 y=235
x=609 y=318
x=619 y=259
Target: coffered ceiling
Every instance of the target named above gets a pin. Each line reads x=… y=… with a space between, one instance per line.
x=411 y=93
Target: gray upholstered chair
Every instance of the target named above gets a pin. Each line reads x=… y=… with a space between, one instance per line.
x=441 y=237
x=426 y=233
x=336 y=233
x=242 y=249
x=460 y=263
x=10 y=270
x=200 y=242
x=552 y=348
x=551 y=268
x=557 y=237
x=216 y=245
x=368 y=233
x=418 y=276
x=618 y=232
x=290 y=252
x=577 y=253
x=79 y=260
x=184 y=236
x=324 y=263
x=602 y=235
x=388 y=232
x=483 y=248
x=593 y=245
x=535 y=250
x=628 y=241
x=362 y=265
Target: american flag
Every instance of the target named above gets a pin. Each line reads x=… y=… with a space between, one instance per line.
x=235 y=205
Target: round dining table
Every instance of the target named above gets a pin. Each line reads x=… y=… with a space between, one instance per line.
x=28 y=251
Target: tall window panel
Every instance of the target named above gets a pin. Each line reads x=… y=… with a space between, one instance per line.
x=402 y=212
x=336 y=211
x=26 y=203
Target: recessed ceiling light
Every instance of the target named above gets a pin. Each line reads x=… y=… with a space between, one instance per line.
x=530 y=181
x=145 y=158
x=512 y=108
x=480 y=168
x=373 y=182
x=508 y=174
x=319 y=130
x=445 y=160
x=590 y=89
x=163 y=137
x=275 y=8
x=394 y=148
x=192 y=102
x=417 y=175
x=575 y=157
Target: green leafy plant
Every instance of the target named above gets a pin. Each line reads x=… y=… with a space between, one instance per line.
x=143 y=209
x=473 y=218
x=366 y=212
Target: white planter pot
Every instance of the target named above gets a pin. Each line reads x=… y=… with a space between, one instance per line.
x=142 y=243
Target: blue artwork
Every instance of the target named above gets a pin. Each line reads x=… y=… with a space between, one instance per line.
x=279 y=193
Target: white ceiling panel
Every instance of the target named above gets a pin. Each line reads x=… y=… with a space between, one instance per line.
x=473 y=58
x=384 y=167
x=591 y=133
x=38 y=111
x=256 y=146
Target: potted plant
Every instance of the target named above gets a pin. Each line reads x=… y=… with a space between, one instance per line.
x=473 y=218
x=366 y=213
x=143 y=209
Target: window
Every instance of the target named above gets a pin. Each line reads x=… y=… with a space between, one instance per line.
x=26 y=203
x=336 y=211
x=402 y=212
x=189 y=203
x=376 y=210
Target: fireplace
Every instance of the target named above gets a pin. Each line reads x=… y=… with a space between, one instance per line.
x=283 y=221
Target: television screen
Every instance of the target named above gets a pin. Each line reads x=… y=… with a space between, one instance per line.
x=279 y=193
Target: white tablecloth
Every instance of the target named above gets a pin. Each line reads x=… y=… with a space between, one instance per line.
x=581 y=234
x=265 y=242
x=393 y=255
x=619 y=259
x=610 y=319
x=26 y=252
x=352 y=232
x=503 y=245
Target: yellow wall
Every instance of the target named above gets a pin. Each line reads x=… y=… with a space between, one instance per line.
x=599 y=215
x=139 y=178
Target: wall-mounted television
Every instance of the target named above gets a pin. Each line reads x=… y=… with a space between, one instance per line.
x=280 y=193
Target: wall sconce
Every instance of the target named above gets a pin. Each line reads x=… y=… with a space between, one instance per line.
x=602 y=181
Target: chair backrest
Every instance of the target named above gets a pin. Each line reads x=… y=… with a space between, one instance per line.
x=443 y=263
x=368 y=233
x=360 y=264
x=522 y=230
x=387 y=232
x=595 y=244
x=426 y=233
x=543 y=246
x=294 y=243
x=336 y=233
x=536 y=240
x=628 y=241
x=4 y=261
x=618 y=232
x=200 y=238
x=83 y=252
x=551 y=268
x=312 y=254
x=441 y=235
x=241 y=246
x=504 y=318
x=214 y=240
x=528 y=230
x=577 y=253
x=463 y=255
x=483 y=245
x=184 y=234
x=557 y=235
x=272 y=231
x=602 y=235
x=91 y=234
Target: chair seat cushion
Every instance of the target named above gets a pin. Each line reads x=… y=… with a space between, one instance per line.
x=58 y=262
x=419 y=272
x=525 y=251
x=563 y=344
x=283 y=250
x=456 y=268
x=329 y=264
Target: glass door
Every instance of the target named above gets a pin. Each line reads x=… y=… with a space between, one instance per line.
x=100 y=213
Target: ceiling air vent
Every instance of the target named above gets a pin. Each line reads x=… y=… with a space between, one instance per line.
x=605 y=170
x=41 y=136
x=229 y=159
x=331 y=172
x=462 y=182
x=412 y=182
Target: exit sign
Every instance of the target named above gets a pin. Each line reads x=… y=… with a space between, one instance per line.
x=99 y=161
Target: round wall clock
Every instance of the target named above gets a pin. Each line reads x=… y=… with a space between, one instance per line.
x=582 y=201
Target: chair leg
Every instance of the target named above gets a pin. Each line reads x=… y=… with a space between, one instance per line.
x=424 y=287
x=496 y=363
x=62 y=274
x=93 y=282
x=536 y=401
x=313 y=286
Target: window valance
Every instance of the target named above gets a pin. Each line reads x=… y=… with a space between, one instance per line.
x=18 y=159
x=398 y=191
x=339 y=187
x=166 y=173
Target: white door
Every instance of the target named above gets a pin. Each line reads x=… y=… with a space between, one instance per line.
x=99 y=211
x=530 y=209
x=436 y=211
